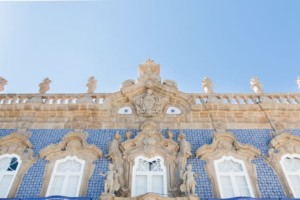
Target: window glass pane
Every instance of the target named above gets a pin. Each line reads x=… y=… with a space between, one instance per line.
x=4 y=185
x=242 y=186
x=295 y=183
x=69 y=166
x=157 y=184
x=57 y=185
x=230 y=166
x=72 y=185
x=140 y=184
x=4 y=163
x=227 y=187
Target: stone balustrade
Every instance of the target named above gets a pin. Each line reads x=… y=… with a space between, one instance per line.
x=200 y=98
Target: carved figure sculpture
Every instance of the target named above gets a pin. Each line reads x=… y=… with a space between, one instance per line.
x=189 y=183
x=3 y=82
x=207 y=85
x=128 y=134
x=44 y=86
x=111 y=182
x=256 y=85
x=170 y=134
x=298 y=82
x=91 y=85
x=185 y=151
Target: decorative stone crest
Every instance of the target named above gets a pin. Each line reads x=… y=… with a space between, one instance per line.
x=3 y=82
x=207 y=85
x=256 y=85
x=91 y=85
x=149 y=104
x=44 y=86
x=149 y=70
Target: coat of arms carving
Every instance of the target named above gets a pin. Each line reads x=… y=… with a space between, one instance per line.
x=149 y=104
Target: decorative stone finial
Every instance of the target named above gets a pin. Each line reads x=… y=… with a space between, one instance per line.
x=298 y=82
x=91 y=85
x=149 y=70
x=44 y=86
x=3 y=82
x=207 y=85
x=256 y=85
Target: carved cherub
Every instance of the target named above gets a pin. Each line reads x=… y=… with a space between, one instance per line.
x=256 y=85
x=128 y=134
x=207 y=85
x=189 y=183
x=3 y=82
x=91 y=85
x=298 y=82
x=44 y=86
x=111 y=182
x=170 y=134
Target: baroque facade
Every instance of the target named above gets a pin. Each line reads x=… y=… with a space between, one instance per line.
x=149 y=141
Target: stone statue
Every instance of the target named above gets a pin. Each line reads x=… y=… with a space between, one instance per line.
x=207 y=85
x=170 y=134
x=111 y=182
x=128 y=134
x=185 y=151
x=298 y=82
x=189 y=183
x=256 y=85
x=3 y=82
x=91 y=85
x=44 y=86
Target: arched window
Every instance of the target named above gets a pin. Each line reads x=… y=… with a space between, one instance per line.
x=233 y=179
x=291 y=168
x=66 y=177
x=149 y=175
x=9 y=166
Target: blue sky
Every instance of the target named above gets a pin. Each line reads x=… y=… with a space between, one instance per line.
x=228 y=40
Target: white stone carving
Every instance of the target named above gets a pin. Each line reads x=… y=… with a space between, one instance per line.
x=128 y=134
x=298 y=82
x=3 y=82
x=207 y=85
x=189 y=183
x=149 y=70
x=111 y=182
x=91 y=85
x=256 y=85
x=44 y=86
x=185 y=151
x=149 y=104
x=170 y=134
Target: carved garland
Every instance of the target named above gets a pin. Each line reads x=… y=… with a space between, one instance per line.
x=19 y=144
x=73 y=144
x=225 y=144
x=280 y=146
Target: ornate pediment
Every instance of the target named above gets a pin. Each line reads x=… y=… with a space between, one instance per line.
x=225 y=143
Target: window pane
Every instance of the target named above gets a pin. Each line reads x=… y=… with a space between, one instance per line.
x=295 y=183
x=4 y=185
x=242 y=186
x=140 y=184
x=57 y=185
x=72 y=185
x=226 y=186
x=4 y=163
x=157 y=184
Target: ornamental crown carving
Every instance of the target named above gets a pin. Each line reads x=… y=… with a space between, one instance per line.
x=149 y=104
x=149 y=70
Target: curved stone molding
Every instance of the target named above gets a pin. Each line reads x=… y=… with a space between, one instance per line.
x=225 y=144
x=279 y=146
x=73 y=144
x=150 y=143
x=19 y=144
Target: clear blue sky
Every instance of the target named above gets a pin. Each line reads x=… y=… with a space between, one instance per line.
x=228 y=40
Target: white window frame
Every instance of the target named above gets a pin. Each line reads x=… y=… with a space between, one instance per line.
x=14 y=173
x=286 y=173
x=149 y=175
x=232 y=176
x=67 y=175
